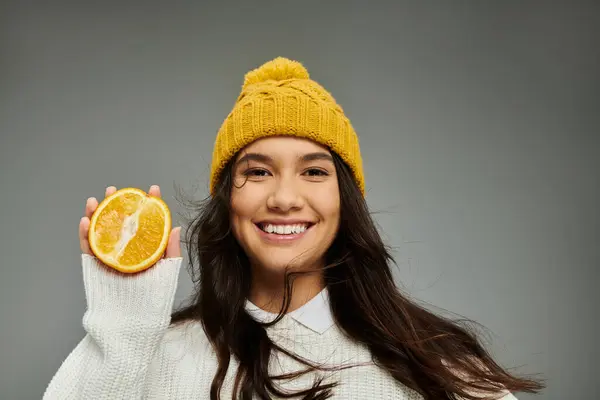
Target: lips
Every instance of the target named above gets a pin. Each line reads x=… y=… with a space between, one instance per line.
x=284 y=229
x=278 y=231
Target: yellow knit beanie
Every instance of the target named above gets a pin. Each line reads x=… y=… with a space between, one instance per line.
x=279 y=98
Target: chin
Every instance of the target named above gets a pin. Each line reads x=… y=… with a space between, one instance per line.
x=278 y=260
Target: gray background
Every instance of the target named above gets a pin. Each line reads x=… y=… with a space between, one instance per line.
x=479 y=127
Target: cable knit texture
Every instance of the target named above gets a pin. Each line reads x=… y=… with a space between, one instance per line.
x=132 y=352
x=279 y=98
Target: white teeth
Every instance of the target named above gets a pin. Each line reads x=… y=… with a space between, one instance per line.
x=284 y=229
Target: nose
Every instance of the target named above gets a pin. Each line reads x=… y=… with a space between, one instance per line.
x=285 y=196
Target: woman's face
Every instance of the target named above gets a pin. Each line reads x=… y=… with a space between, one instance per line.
x=285 y=203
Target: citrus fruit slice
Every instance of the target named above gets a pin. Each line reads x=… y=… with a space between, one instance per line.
x=129 y=230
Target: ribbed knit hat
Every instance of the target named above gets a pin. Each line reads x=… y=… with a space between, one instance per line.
x=279 y=98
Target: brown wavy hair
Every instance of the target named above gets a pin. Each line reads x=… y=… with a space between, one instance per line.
x=435 y=356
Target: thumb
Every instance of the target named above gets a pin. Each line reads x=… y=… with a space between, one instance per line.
x=174 y=246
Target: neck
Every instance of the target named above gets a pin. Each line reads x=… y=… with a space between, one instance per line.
x=268 y=293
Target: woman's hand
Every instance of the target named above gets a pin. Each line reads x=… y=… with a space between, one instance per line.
x=173 y=247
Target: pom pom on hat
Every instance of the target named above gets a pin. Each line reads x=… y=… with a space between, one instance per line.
x=277 y=69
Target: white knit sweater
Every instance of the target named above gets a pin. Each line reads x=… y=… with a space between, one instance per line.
x=131 y=352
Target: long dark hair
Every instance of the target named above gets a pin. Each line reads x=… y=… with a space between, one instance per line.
x=435 y=356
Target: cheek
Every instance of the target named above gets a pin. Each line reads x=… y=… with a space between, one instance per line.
x=242 y=203
x=244 y=206
x=328 y=206
x=238 y=213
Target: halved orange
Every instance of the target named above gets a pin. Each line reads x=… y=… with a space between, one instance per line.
x=129 y=230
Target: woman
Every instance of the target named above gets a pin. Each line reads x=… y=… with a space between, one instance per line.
x=294 y=295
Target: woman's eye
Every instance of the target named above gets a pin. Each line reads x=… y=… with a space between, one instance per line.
x=316 y=172
x=256 y=172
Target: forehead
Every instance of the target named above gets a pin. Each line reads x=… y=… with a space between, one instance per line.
x=283 y=146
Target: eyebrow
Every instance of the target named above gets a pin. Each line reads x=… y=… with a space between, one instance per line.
x=259 y=157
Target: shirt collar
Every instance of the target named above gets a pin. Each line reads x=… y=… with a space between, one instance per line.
x=315 y=314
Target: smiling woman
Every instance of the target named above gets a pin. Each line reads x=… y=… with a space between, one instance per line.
x=294 y=298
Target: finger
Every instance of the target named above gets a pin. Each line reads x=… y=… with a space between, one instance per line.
x=84 y=244
x=110 y=191
x=154 y=191
x=174 y=245
x=90 y=206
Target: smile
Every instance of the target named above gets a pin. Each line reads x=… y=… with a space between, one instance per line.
x=284 y=229
x=276 y=232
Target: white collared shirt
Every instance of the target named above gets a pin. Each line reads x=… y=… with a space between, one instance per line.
x=315 y=314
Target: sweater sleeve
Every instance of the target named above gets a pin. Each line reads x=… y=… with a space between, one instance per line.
x=126 y=318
